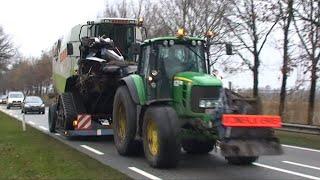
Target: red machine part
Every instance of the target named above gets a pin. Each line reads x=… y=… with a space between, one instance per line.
x=243 y=120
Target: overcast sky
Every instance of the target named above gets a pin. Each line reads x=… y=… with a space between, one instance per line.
x=34 y=25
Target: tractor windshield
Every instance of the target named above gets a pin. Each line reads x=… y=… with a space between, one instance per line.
x=121 y=34
x=180 y=58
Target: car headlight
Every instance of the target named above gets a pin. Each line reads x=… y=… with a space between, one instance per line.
x=207 y=103
x=42 y=105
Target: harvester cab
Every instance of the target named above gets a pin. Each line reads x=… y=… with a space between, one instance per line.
x=177 y=102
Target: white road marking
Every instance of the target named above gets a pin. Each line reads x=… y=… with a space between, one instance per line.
x=150 y=176
x=301 y=148
x=287 y=171
x=302 y=165
x=44 y=128
x=92 y=150
x=30 y=122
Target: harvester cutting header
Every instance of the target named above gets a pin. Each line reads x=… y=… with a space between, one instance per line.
x=155 y=94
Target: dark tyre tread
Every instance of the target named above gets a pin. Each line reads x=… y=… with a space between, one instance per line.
x=166 y=121
x=52 y=117
x=72 y=106
x=241 y=160
x=194 y=146
x=128 y=146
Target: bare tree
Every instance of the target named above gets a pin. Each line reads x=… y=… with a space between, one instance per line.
x=251 y=23
x=126 y=9
x=306 y=22
x=6 y=49
x=286 y=14
x=197 y=17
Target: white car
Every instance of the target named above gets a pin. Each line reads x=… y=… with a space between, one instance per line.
x=15 y=99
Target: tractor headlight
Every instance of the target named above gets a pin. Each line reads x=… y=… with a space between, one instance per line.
x=207 y=103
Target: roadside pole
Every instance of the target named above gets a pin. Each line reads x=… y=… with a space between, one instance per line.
x=23 y=123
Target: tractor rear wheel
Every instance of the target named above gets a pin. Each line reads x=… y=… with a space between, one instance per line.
x=52 y=116
x=194 y=146
x=159 y=133
x=241 y=160
x=124 y=123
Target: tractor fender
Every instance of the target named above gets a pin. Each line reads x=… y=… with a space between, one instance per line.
x=128 y=81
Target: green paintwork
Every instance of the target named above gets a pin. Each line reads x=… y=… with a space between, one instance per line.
x=200 y=78
x=59 y=82
x=190 y=79
x=138 y=81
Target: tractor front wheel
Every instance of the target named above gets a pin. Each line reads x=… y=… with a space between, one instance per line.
x=159 y=133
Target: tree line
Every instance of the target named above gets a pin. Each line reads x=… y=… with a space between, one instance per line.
x=247 y=24
x=30 y=75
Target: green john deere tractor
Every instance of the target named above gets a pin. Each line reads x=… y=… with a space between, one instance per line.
x=173 y=102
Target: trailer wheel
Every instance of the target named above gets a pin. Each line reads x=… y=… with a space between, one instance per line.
x=159 y=132
x=124 y=123
x=241 y=160
x=194 y=146
x=52 y=116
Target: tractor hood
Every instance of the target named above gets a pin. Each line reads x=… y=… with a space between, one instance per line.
x=197 y=78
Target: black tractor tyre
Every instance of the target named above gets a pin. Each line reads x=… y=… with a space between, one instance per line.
x=241 y=160
x=194 y=146
x=124 y=123
x=52 y=117
x=164 y=150
x=69 y=109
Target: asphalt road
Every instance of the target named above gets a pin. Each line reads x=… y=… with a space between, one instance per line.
x=295 y=163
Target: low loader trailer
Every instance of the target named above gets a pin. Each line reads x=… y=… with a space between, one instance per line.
x=155 y=96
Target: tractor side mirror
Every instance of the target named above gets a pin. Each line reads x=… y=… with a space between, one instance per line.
x=69 y=49
x=229 y=49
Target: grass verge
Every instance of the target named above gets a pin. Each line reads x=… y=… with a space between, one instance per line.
x=34 y=155
x=299 y=139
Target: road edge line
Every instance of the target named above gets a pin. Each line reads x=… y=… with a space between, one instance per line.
x=301 y=148
x=92 y=149
x=301 y=165
x=148 y=175
x=287 y=171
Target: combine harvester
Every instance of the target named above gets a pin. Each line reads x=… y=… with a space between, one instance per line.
x=156 y=95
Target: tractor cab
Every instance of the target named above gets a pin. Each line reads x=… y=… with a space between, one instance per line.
x=175 y=69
